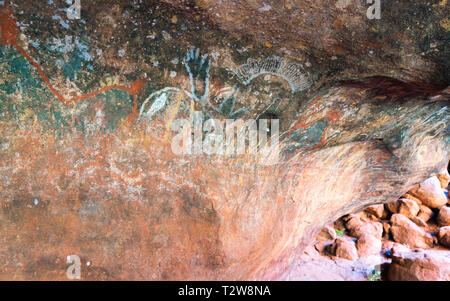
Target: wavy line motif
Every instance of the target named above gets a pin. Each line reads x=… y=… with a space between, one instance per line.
x=8 y=37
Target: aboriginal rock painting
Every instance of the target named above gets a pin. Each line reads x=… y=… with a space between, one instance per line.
x=224 y=103
x=88 y=100
x=118 y=102
x=30 y=86
x=92 y=98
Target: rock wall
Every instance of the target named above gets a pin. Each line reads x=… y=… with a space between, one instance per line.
x=403 y=240
x=87 y=105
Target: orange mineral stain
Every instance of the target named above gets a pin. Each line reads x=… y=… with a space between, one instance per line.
x=8 y=28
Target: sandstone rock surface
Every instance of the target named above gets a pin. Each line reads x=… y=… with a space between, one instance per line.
x=326 y=234
x=376 y=210
x=87 y=166
x=444 y=236
x=373 y=228
x=408 y=208
x=444 y=179
x=420 y=266
x=430 y=193
x=344 y=248
x=406 y=232
x=368 y=244
x=443 y=217
x=425 y=213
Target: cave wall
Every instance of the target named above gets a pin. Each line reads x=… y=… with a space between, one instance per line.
x=85 y=106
